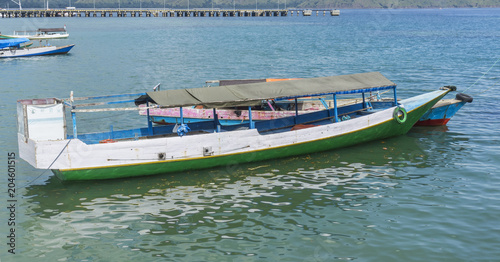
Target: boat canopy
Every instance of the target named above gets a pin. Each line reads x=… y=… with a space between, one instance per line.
x=248 y=81
x=12 y=42
x=255 y=93
x=46 y=30
x=240 y=81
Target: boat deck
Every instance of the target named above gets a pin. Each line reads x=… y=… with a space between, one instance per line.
x=203 y=127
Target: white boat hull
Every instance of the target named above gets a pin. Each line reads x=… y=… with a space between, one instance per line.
x=39 y=36
x=34 y=51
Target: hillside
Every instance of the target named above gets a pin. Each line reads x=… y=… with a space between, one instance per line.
x=251 y=4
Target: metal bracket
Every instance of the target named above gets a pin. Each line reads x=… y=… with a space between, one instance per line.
x=207 y=151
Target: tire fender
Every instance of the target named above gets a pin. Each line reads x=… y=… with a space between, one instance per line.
x=400 y=115
x=464 y=97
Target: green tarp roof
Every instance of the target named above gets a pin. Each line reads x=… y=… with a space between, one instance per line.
x=253 y=94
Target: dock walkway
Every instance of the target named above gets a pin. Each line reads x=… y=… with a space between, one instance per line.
x=157 y=12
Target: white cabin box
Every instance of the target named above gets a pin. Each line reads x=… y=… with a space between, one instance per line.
x=41 y=119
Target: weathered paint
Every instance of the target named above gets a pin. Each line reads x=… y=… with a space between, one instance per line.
x=441 y=113
x=433 y=122
x=225 y=116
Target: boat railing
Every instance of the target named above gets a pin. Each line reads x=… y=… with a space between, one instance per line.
x=318 y=117
x=24 y=32
x=116 y=103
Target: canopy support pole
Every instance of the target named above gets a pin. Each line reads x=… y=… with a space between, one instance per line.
x=252 y=124
x=270 y=105
x=182 y=115
x=323 y=102
x=325 y=105
x=73 y=117
x=216 y=122
x=395 y=96
x=150 y=124
x=336 y=113
x=182 y=129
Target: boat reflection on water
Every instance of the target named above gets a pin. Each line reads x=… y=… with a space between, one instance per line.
x=381 y=158
x=232 y=202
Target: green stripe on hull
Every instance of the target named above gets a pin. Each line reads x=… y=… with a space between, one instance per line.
x=387 y=129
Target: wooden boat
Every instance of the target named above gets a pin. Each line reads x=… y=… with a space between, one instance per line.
x=44 y=141
x=40 y=34
x=10 y=48
x=268 y=110
x=439 y=114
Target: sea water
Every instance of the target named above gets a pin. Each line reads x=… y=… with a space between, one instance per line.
x=430 y=195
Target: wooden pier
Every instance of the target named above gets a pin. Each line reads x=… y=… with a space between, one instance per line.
x=156 y=13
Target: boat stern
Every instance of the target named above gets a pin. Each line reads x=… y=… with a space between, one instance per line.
x=39 y=121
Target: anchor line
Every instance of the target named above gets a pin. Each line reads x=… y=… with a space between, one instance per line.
x=488 y=88
x=483 y=75
x=48 y=168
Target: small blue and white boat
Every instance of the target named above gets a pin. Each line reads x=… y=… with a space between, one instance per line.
x=443 y=111
x=10 y=48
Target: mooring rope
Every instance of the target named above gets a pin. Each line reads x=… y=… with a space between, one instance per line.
x=48 y=168
x=483 y=75
x=488 y=88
